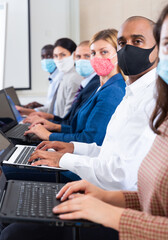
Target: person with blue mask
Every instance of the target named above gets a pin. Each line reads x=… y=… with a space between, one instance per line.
x=49 y=66
x=162 y=68
x=82 y=60
x=90 y=122
x=89 y=84
x=63 y=56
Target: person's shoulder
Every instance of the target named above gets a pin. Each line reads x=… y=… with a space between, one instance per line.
x=164 y=128
x=73 y=75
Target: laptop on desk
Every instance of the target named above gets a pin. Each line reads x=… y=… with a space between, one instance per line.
x=13 y=95
x=9 y=124
x=17 y=156
x=26 y=201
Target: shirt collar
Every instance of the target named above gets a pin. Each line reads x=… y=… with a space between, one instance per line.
x=86 y=80
x=52 y=75
x=141 y=83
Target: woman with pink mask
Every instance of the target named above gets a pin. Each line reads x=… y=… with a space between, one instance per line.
x=90 y=122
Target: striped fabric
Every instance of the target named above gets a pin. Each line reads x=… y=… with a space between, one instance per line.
x=150 y=219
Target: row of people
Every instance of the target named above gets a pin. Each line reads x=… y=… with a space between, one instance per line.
x=97 y=111
x=115 y=164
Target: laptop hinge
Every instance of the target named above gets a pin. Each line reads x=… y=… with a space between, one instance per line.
x=8 y=155
x=2 y=198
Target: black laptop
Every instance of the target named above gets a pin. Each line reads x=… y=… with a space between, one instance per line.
x=18 y=155
x=9 y=124
x=28 y=201
x=12 y=93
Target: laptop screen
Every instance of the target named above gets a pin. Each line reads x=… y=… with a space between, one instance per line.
x=2 y=183
x=12 y=93
x=7 y=118
x=4 y=144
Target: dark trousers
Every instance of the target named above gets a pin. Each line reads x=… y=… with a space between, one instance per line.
x=27 y=231
x=38 y=175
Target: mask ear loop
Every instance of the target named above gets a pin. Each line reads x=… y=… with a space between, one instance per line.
x=113 y=57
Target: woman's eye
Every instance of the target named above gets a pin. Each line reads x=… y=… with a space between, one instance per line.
x=63 y=54
x=92 y=54
x=104 y=52
x=165 y=48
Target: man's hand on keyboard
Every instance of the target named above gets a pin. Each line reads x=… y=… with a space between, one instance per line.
x=50 y=159
x=58 y=146
x=39 y=131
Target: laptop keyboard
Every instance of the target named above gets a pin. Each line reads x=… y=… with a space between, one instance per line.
x=36 y=200
x=24 y=155
x=17 y=131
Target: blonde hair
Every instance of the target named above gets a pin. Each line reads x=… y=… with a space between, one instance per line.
x=110 y=36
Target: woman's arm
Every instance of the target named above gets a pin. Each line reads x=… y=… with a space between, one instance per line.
x=140 y=225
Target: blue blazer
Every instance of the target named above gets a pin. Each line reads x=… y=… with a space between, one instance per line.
x=83 y=96
x=90 y=122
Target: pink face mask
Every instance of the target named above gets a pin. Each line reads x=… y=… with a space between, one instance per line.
x=102 y=66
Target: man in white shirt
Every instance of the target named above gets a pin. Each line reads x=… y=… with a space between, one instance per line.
x=114 y=165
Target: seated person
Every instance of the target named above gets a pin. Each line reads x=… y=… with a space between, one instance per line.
x=88 y=85
x=90 y=122
x=114 y=165
x=142 y=214
x=64 y=94
x=132 y=224
x=48 y=65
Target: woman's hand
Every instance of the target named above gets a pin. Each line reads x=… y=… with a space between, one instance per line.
x=39 y=131
x=43 y=115
x=61 y=147
x=81 y=186
x=34 y=120
x=87 y=207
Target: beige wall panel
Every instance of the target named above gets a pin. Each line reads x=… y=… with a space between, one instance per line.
x=96 y=15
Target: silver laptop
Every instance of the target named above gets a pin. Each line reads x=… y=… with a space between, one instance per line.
x=17 y=156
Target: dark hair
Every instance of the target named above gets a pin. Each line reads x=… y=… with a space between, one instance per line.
x=161 y=109
x=48 y=47
x=66 y=43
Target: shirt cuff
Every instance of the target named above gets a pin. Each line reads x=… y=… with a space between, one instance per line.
x=68 y=161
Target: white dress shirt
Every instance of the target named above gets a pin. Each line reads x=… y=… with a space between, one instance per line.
x=55 y=79
x=114 y=165
x=86 y=80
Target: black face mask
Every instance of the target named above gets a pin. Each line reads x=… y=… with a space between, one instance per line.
x=134 y=60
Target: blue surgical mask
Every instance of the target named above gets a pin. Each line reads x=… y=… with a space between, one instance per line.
x=48 y=65
x=162 y=67
x=84 y=67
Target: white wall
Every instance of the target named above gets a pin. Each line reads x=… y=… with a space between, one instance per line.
x=16 y=57
x=2 y=41
x=50 y=20
x=82 y=19
x=96 y=15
